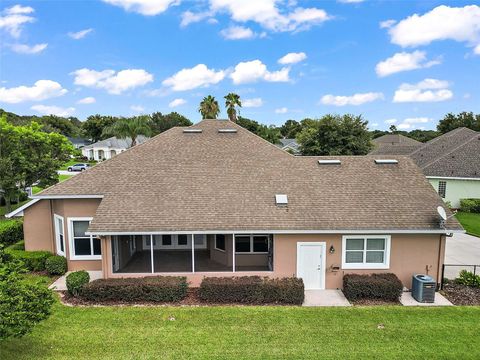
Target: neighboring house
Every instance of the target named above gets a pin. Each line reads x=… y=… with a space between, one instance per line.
x=108 y=148
x=214 y=199
x=451 y=163
x=79 y=143
x=289 y=145
x=394 y=144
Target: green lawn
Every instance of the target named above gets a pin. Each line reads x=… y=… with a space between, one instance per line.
x=470 y=221
x=251 y=333
x=37 y=189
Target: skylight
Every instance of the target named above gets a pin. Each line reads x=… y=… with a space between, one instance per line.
x=281 y=199
x=227 y=130
x=386 y=161
x=192 y=131
x=329 y=162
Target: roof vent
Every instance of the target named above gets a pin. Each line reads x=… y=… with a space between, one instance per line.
x=227 y=131
x=192 y=131
x=386 y=161
x=329 y=162
x=281 y=199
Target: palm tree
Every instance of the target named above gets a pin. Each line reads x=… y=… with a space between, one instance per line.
x=130 y=128
x=209 y=108
x=231 y=101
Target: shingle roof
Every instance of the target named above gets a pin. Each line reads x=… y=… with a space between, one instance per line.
x=454 y=154
x=116 y=143
x=394 y=144
x=180 y=181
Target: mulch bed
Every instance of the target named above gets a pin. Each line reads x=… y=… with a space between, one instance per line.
x=461 y=294
x=373 y=302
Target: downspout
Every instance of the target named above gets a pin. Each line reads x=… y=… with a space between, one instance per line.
x=52 y=233
x=440 y=262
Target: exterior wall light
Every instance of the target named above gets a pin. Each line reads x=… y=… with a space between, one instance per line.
x=332 y=250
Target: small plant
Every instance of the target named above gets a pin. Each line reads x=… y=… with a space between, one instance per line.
x=468 y=278
x=56 y=265
x=470 y=205
x=76 y=281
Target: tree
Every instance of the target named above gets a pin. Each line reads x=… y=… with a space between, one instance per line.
x=423 y=135
x=231 y=102
x=336 y=135
x=393 y=129
x=290 y=129
x=161 y=123
x=22 y=304
x=463 y=119
x=209 y=108
x=27 y=156
x=130 y=128
x=269 y=133
x=94 y=126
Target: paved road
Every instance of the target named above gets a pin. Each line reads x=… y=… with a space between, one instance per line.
x=461 y=249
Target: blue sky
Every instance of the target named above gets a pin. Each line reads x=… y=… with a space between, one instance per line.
x=402 y=62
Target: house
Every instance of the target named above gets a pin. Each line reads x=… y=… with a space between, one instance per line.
x=451 y=163
x=108 y=148
x=289 y=145
x=394 y=144
x=214 y=199
x=79 y=143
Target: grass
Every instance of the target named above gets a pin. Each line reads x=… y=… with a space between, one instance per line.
x=37 y=189
x=251 y=333
x=470 y=221
x=73 y=162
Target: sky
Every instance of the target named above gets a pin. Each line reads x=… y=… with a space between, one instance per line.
x=401 y=62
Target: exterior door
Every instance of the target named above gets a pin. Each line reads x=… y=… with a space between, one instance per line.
x=311 y=264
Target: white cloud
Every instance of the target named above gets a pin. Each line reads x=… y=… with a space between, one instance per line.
x=404 y=61
x=477 y=49
x=374 y=125
x=428 y=90
x=113 y=82
x=177 y=102
x=144 y=7
x=387 y=24
x=27 y=49
x=189 y=17
x=282 y=110
x=237 y=33
x=252 y=103
x=198 y=76
x=137 y=108
x=53 y=110
x=80 y=34
x=391 y=121
x=41 y=90
x=13 y=19
x=292 y=58
x=410 y=123
x=356 y=99
x=460 y=24
x=87 y=100
x=251 y=71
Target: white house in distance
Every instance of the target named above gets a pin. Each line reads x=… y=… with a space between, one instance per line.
x=108 y=148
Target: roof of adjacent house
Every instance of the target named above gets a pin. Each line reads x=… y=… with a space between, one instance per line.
x=454 y=154
x=78 y=141
x=394 y=144
x=211 y=180
x=289 y=144
x=116 y=143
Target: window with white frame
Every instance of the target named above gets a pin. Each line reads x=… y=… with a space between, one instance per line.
x=251 y=244
x=366 y=252
x=83 y=246
x=442 y=188
x=220 y=242
x=59 y=234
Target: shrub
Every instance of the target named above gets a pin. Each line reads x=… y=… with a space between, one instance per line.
x=76 y=281
x=468 y=278
x=33 y=260
x=252 y=290
x=153 y=288
x=11 y=231
x=17 y=246
x=375 y=286
x=470 y=205
x=56 y=265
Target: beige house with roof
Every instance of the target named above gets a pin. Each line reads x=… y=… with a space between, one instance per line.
x=214 y=199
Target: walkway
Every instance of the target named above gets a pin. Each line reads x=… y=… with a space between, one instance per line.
x=325 y=298
x=60 y=283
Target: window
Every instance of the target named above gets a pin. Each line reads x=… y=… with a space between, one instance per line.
x=182 y=239
x=166 y=240
x=442 y=188
x=83 y=246
x=251 y=244
x=366 y=252
x=220 y=242
x=59 y=234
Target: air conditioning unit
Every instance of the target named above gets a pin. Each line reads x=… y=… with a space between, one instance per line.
x=423 y=288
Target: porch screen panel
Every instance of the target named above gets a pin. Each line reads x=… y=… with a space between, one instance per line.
x=213 y=253
x=172 y=253
x=131 y=254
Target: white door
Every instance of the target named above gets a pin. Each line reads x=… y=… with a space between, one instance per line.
x=311 y=264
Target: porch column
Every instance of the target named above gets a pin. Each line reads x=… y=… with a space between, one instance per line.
x=151 y=252
x=193 y=253
x=233 y=252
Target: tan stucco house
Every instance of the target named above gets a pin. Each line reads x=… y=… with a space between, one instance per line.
x=214 y=199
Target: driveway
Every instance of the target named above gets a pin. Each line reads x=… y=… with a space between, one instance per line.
x=66 y=172
x=461 y=249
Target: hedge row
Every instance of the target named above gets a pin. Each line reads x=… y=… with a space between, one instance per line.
x=252 y=290
x=11 y=232
x=470 y=205
x=33 y=260
x=157 y=289
x=374 y=286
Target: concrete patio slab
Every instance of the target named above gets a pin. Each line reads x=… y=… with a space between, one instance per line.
x=408 y=300
x=325 y=298
x=60 y=283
